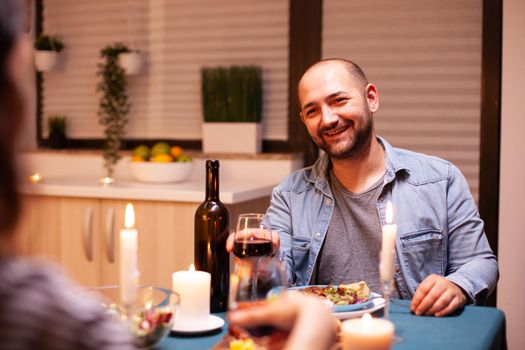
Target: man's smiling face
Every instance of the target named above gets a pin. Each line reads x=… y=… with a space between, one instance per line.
x=337 y=108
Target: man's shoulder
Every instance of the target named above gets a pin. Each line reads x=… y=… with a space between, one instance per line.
x=422 y=168
x=297 y=181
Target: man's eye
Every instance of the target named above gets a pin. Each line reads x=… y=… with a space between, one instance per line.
x=340 y=100
x=310 y=112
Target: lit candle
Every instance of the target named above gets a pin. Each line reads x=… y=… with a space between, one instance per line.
x=106 y=181
x=35 y=178
x=386 y=264
x=129 y=272
x=193 y=288
x=367 y=333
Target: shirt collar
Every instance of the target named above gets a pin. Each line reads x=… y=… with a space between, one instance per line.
x=394 y=164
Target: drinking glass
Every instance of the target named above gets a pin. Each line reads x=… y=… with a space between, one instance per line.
x=253 y=237
x=255 y=282
x=386 y=273
x=257 y=276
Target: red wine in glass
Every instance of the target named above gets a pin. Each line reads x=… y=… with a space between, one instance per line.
x=255 y=247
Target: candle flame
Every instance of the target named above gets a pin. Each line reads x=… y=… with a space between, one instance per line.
x=367 y=320
x=36 y=177
x=192 y=267
x=129 y=218
x=389 y=213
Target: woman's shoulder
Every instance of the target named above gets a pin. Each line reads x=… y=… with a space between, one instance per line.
x=45 y=301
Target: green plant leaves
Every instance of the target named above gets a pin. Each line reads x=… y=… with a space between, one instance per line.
x=113 y=106
x=232 y=94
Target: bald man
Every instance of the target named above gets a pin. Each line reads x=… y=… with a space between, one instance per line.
x=329 y=215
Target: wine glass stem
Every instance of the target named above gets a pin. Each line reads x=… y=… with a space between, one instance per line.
x=387 y=293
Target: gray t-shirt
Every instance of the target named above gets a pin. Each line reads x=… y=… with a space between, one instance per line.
x=350 y=251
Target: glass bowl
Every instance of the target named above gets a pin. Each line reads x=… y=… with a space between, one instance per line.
x=149 y=319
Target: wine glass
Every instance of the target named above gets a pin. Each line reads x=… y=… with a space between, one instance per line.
x=256 y=280
x=253 y=237
x=386 y=273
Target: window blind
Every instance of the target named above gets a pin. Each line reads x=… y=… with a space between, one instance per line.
x=424 y=56
x=178 y=37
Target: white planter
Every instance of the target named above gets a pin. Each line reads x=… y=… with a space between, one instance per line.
x=131 y=62
x=45 y=60
x=232 y=138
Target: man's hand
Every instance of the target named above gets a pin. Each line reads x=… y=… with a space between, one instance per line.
x=275 y=241
x=437 y=296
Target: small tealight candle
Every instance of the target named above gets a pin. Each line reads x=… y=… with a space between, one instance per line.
x=129 y=272
x=106 y=180
x=193 y=288
x=35 y=178
x=367 y=333
x=386 y=264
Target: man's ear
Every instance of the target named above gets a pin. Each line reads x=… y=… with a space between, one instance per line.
x=372 y=97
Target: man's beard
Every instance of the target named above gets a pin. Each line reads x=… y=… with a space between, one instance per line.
x=353 y=148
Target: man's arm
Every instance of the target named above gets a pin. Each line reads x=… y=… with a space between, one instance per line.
x=472 y=265
x=472 y=269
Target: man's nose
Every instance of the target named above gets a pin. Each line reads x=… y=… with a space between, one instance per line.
x=328 y=116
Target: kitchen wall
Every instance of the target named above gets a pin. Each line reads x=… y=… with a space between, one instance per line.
x=512 y=192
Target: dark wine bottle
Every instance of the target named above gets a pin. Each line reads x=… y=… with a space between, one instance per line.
x=211 y=232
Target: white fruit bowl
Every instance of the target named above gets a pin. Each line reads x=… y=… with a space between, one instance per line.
x=161 y=172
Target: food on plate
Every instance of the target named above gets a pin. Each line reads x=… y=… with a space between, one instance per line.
x=242 y=344
x=343 y=294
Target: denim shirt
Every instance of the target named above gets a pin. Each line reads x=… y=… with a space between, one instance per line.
x=439 y=228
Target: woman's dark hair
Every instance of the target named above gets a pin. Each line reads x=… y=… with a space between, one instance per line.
x=11 y=111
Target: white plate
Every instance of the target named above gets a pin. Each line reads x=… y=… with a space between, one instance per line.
x=214 y=322
x=345 y=309
x=377 y=304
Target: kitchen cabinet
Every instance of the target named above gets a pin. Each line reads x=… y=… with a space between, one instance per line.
x=82 y=235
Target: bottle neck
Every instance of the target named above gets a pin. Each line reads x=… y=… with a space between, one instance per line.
x=212 y=183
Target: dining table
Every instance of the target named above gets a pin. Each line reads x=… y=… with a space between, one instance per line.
x=472 y=327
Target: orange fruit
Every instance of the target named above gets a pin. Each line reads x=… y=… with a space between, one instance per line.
x=176 y=151
x=162 y=158
x=137 y=158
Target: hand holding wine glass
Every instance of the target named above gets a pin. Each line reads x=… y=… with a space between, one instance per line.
x=253 y=237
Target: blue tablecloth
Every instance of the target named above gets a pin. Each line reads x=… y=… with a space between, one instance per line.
x=475 y=328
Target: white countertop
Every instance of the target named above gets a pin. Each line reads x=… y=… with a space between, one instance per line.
x=192 y=191
x=78 y=175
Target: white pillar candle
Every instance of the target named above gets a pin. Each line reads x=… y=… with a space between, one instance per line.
x=367 y=333
x=386 y=264
x=128 y=258
x=193 y=288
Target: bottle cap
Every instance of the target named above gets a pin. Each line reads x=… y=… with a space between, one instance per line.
x=212 y=164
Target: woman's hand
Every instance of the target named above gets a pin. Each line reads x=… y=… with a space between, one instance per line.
x=308 y=320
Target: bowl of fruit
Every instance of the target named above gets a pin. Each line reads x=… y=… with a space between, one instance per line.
x=161 y=163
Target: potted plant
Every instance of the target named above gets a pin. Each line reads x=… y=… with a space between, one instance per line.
x=131 y=61
x=114 y=105
x=56 y=126
x=47 y=48
x=232 y=108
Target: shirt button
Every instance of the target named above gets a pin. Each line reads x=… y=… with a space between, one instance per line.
x=397 y=269
x=318 y=234
x=328 y=201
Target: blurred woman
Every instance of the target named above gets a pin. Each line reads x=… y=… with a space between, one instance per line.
x=38 y=309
